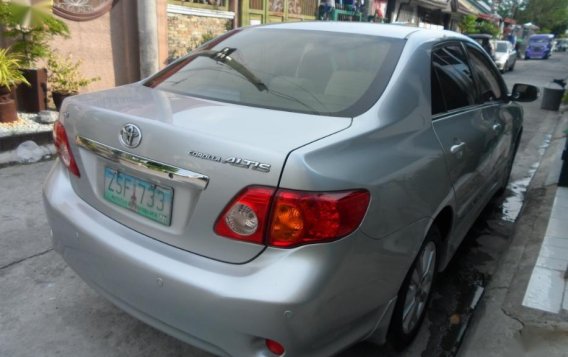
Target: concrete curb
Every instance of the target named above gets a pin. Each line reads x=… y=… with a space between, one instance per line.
x=502 y=326
x=8 y=143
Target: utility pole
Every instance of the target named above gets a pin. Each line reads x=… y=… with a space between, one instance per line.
x=147 y=37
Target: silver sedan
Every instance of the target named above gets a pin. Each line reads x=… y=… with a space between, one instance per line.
x=287 y=189
x=505 y=56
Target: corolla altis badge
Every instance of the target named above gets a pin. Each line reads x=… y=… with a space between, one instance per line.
x=235 y=161
x=130 y=136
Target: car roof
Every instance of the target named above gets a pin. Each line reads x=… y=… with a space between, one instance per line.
x=366 y=28
x=479 y=35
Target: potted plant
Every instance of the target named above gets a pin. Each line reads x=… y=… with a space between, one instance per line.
x=29 y=28
x=10 y=76
x=65 y=78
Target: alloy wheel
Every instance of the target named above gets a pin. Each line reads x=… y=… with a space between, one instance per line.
x=419 y=287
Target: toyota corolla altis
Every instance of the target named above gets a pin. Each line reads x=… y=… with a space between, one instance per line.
x=286 y=189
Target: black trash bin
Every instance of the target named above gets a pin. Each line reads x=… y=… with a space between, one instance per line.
x=563 y=179
x=552 y=96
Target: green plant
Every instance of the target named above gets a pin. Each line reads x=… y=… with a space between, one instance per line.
x=488 y=28
x=10 y=74
x=30 y=27
x=565 y=98
x=468 y=24
x=64 y=75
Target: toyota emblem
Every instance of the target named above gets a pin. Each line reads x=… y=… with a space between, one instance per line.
x=130 y=136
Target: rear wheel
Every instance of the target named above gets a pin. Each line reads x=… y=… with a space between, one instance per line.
x=415 y=292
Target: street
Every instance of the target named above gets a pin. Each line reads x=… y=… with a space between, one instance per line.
x=46 y=310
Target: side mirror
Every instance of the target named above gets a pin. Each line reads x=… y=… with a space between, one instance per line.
x=524 y=93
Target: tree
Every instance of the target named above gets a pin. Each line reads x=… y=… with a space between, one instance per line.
x=551 y=15
x=511 y=8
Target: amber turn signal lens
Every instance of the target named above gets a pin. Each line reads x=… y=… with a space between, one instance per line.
x=311 y=217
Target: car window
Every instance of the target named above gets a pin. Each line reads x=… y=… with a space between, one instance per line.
x=451 y=80
x=321 y=72
x=501 y=47
x=487 y=80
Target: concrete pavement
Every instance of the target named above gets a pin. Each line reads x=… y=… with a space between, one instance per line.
x=45 y=309
x=524 y=309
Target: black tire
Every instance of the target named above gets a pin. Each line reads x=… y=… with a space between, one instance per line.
x=403 y=328
x=512 y=66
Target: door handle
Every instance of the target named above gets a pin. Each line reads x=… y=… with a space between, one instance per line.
x=457 y=148
x=497 y=127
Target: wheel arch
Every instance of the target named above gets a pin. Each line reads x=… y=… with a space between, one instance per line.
x=444 y=221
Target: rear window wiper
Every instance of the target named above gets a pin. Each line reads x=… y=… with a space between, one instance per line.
x=224 y=56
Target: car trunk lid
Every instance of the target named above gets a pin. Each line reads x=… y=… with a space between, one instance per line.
x=194 y=156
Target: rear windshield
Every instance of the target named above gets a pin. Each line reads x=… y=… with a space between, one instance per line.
x=316 y=72
x=501 y=47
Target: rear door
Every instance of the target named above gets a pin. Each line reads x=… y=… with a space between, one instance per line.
x=496 y=113
x=460 y=126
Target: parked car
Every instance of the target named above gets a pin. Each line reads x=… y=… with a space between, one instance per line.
x=505 y=56
x=484 y=41
x=258 y=200
x=561 y=45
x=539 y=46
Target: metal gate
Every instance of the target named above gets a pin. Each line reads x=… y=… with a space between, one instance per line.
x=255 y=12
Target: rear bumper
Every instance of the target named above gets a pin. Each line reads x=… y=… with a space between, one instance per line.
x=501 y=65
x=223 y=308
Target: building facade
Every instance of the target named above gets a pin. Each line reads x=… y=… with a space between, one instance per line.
x=116 y=39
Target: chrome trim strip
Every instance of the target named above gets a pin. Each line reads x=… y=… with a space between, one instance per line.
x=144 y=165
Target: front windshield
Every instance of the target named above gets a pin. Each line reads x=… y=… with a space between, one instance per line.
x=294 y=70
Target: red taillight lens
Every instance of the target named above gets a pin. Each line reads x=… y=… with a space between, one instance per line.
x=294 y=218
x=275 y=347
x=310 y=217
x=63 y=150
x=245 y=217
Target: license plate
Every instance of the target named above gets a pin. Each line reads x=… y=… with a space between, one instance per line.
x=140 y=196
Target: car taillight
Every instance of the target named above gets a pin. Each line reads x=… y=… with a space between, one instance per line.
x=245 y=217
x=275 y=347
x=292 y=218
x=63 y=150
